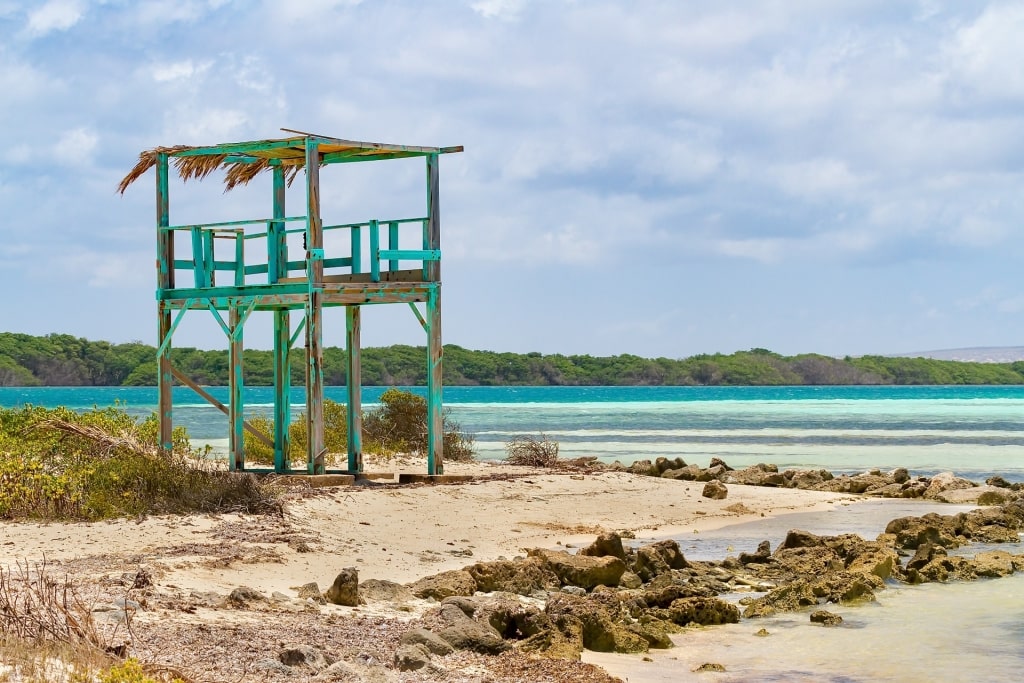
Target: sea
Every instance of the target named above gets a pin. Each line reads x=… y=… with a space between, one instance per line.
x=976 y=431
x=960 y=632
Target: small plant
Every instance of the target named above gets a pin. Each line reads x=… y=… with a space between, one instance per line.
x=130 y=671
x=531 y=451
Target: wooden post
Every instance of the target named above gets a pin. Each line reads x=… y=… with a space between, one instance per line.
x=236 y=409
x=277 y=248
x=433 y=227
x=165 y=280
x=354 y=380
x=435 y=421
x=314 y=314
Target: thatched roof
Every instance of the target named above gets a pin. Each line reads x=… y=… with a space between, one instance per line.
x=243 y=161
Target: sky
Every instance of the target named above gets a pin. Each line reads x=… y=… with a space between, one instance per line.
x=655 y=178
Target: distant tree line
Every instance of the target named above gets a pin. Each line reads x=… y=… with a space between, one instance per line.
x=64 y=360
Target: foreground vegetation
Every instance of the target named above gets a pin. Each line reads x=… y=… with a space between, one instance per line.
x=64 y=360
x=58 y=464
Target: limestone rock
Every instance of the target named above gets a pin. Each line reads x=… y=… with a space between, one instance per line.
x=608 y=543
x=433 y=643
x=311 y=591
x=995 y=563
x=715 y=490
x=379 y=590
x=598 y=631
x=688 y=473
x=629 y=580
x=703 y=611
x=243 y=597
x=807 y=479
x=993 y=495
x=303 y=655
x=657 y=559
x=445 y=584
x=465 y=633
x=762 y=554
x=411 y=657
x=522 y=577
x=585 y=572
x=345 y=589
x=825 y=618
x=946 y=481
x=756 y=475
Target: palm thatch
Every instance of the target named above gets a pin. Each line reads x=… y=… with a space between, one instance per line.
x=245 y=160
x=199 y=166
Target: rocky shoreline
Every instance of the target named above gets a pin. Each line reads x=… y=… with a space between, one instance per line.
x=524 y=616
x=945 y=487
x=610 y=597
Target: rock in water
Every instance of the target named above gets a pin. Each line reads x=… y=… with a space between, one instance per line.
x=825 y=618
x=345 y=589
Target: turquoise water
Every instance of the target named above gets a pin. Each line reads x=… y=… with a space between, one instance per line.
x=976 y=431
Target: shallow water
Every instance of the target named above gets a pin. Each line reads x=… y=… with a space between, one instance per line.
x=974 y=431
x=969 y=631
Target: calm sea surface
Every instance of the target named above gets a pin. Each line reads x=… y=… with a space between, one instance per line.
x=975 y=431
x=960 y=632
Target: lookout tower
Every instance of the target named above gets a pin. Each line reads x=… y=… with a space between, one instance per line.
x=242 y=266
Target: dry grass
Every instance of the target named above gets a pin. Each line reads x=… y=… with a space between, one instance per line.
x=532 y=451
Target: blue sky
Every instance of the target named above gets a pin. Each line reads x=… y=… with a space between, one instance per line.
x=658 y=178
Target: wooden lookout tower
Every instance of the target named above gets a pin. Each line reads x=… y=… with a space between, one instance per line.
x=238 y=267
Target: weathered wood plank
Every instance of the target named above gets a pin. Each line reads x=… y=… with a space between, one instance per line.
x=354 y=369
x=316 y=449
x=435 y=384
x=165 y=282
x=433 y=228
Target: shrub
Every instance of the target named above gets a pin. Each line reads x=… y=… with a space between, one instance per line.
x=335 y=435
x=397 y=425
x=531 y=451
x=57 y=464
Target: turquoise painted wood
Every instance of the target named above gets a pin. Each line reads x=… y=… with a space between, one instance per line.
x=234 y=268
x=374 y=251
x=277 y=267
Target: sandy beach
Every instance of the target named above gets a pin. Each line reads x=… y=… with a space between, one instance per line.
x=386 y=531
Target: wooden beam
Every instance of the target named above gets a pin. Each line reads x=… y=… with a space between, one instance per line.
x=236 y=406
x=354 y=385
x=212 y=400
x=433 y=229
x=165 y=282
x=316 y=449
x=435 y=384
x=277 y=245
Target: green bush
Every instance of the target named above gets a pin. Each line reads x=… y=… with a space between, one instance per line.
x=58 y=464
x=335 y=435
x=397 y=425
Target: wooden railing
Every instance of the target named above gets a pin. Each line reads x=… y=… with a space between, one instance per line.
x=381 y=255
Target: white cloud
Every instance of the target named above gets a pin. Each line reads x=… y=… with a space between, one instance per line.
x=815 y=178
x=55 y=15
x=506 y=10
x=182 y=70
x=75 y=147
x=186 y=125
x=987 y=54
